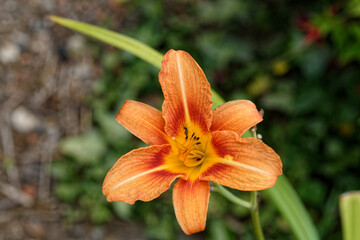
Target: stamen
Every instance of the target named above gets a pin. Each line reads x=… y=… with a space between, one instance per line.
x=189 y=153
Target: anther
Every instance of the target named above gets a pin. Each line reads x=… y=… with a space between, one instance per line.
x=186 y=131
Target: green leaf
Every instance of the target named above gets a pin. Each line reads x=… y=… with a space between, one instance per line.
x=122 y=210
x=67 y=191
x=353 y=8
x=259 y=85
x=217 y=99
x=123 y=42
x=162 y=229
x=64 y=170
x=113 y=131
x=218 y=230
x=115 y=39
x=290 y=206
x=86 y=149
x=100 y=214
x=350 y=215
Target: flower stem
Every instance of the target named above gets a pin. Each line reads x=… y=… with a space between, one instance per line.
x=254 y=211
x=227 y=194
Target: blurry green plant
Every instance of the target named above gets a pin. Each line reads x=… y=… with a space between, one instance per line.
x=350 y=215
x=341 y=24
x=285 y=197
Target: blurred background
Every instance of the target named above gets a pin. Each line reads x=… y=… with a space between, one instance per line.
x=60 y=92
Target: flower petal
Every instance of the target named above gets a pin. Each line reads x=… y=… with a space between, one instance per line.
x=186 y=91
x=237 y=116
x=139 y=175
x=191 y=200
x=242 y=163
x=143 y=121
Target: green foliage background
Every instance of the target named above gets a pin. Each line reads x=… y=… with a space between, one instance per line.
x=257 y=50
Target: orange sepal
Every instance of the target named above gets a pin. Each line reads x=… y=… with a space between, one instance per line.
x=143 y=121
x=245 y=164
x=186 y=92
x=237 y=116
x=191 y=200
x=139 y=175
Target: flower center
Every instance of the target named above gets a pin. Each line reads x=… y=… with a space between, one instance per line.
x=191 y=151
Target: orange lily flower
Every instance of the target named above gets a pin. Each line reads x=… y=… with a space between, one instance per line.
x=191 y=142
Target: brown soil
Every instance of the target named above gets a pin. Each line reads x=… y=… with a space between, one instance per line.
x=46 y=75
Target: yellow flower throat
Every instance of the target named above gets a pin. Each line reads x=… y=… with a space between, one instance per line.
x=191 y=152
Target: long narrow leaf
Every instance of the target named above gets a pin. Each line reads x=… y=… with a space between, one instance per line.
x=282 y=194
x=350 y=215
x=290 y=206
x=118 y=40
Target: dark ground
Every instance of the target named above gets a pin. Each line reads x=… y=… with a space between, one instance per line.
x=45 y=75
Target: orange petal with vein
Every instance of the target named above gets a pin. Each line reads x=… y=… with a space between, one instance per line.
x=143 y=121
x=237 y=116
x=191 y=200
x=245 y=164
x=139 y=175
x=186 y=91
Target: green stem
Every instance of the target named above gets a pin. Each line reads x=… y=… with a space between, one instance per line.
x=255 y=219
x=254 y=210
x=227 y=194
